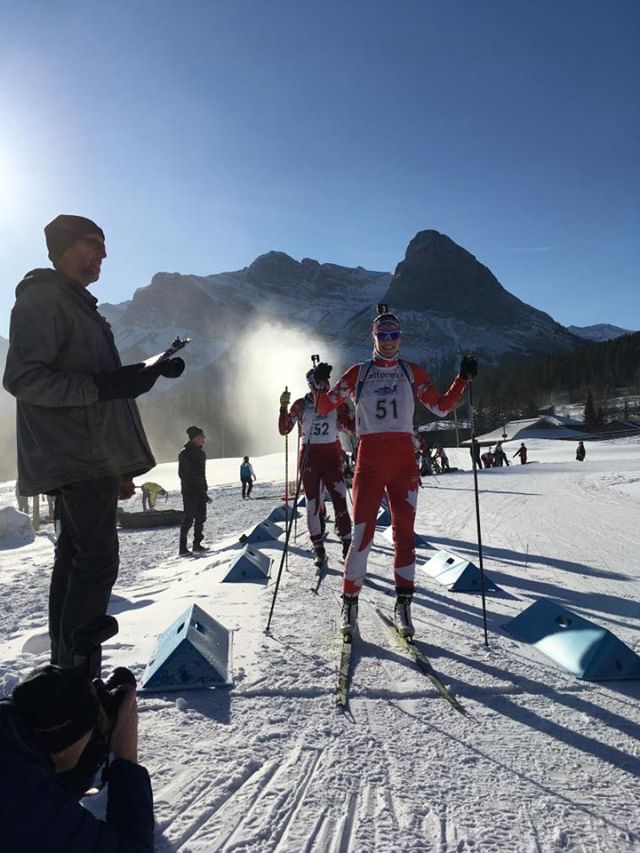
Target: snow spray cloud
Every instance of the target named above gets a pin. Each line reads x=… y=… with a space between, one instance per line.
x=266 y=358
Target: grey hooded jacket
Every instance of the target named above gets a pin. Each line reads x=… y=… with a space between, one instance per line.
x=57 y=342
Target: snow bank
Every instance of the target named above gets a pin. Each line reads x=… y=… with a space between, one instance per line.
x=15 y=528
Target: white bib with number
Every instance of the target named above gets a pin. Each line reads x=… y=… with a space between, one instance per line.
x=319 y=429
x=386 y=402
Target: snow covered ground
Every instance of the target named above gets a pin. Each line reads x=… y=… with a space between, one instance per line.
x=543 y=761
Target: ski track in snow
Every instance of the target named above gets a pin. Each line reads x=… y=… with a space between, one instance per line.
x=543 y=761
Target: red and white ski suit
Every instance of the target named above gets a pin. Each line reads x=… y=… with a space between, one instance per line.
x=384 y=391
x=324 y=462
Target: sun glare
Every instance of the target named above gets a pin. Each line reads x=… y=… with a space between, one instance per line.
x=12 y=184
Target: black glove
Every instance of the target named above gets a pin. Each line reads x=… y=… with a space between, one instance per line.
x=322 y=373
x=171 y=368
x=468 y=367
x=132 y=380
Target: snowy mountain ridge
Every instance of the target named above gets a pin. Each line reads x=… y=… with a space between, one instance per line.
x=599 y=332
x=448 y=300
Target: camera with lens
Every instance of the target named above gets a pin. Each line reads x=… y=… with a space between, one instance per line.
x=109 y=694
x=87 y=642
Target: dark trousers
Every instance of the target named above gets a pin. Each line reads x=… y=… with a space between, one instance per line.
x=195 y=513
x=247 y=485
x=86 y=560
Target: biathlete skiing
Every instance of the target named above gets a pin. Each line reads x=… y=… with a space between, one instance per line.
x=384 y=391
x=322 y=456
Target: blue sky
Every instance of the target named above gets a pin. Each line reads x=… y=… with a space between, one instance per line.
x=202 y=134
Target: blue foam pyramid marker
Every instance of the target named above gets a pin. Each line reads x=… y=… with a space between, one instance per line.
x=266 y=531
x=194 y=652
x=575 y=644
x=457 y=573
x=326 y=499
x=282 y=513
x=250 y=566
x=418 y=539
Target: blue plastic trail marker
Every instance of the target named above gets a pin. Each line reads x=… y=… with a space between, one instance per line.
x=457 y=573
x=194 y=652
x=577 y=645
x=250 y=566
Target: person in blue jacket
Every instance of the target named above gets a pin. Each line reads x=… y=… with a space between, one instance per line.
x=247 y=477
x=45 y=728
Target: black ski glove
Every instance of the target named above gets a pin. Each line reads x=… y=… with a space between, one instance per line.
x=132 y=379
x=322 y=373
x=469 y=367
x=171 y=368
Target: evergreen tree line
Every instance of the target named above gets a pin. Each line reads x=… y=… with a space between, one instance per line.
x=591 y=376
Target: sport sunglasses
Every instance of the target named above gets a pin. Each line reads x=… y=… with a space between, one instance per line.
x=387 y=336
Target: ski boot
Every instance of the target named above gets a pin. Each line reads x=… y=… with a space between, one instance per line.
x=402 y=615
x=320 y=556
x=346 y=544
x=323 y=525
x=349 y=616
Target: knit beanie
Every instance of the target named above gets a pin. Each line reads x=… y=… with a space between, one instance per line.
x=64 y=230
x=58 y=706
x=193 y=431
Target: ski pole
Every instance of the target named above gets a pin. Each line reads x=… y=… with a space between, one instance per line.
x=307 y=446
x=351 y=467
x=286 y=468
x=286 y=476
x=475 y=488
x=295 y=523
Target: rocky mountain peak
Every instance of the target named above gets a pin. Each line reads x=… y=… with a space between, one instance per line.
x=437 y=275
x=275 y=268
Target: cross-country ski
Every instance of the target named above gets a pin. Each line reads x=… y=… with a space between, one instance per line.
x=423 y=663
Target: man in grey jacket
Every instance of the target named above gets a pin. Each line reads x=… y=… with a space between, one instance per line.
x=79 y=433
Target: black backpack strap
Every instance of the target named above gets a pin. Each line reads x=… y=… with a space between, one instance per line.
x=365 y=367
x=406 y=369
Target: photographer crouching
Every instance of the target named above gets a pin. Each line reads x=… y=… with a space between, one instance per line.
x=57 y=729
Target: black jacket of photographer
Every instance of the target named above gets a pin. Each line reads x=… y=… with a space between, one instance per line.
x=38 y=814
x=65 y=434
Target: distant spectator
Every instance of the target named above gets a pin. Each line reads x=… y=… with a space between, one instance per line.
x=499 y=456
x=487 y=458
x=474 y=452
x=441 y=455
x=522 y=453
x=193 y=481
x=150 y=494
x=417 y=446
x=247 y=477
x=580 y=452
